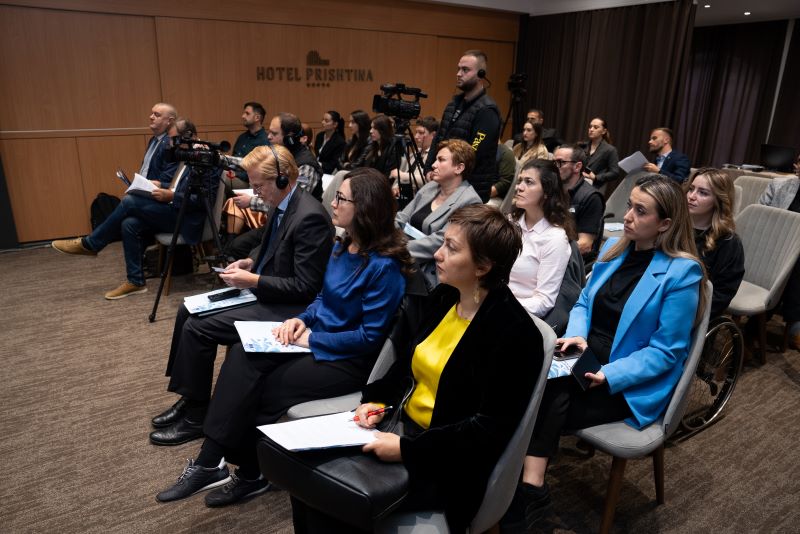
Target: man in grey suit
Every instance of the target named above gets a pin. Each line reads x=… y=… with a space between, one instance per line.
x=784 y=193
x=285 y=272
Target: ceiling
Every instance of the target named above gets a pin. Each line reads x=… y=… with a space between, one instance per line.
x=720 y=12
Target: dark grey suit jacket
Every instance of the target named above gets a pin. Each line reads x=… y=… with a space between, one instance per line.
x=604 y=163
x=297 y=257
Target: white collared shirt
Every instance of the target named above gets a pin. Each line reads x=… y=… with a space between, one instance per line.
x=536 y=275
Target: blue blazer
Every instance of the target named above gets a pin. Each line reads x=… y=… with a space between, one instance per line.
x=676 y=165
x=654 y=332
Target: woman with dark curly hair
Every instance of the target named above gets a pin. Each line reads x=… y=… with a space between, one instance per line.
x=342 y=330
x=541 y=209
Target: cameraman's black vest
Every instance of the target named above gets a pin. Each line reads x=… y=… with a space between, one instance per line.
x=305 y=157
x=460 y=127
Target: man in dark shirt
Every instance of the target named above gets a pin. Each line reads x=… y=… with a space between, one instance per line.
x=253 y=119
x=586 y=202
x=668 y=162
x=474 y=117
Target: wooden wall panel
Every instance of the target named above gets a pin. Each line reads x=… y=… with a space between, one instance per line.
x=44 y=183
x=66 y=70
x=500 y=66
x=381 y=15
x=213 y=90
x=100 y=157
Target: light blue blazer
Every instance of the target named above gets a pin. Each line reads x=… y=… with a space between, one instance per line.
x=654 y=332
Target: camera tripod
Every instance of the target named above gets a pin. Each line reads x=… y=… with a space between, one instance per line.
x=404 y=138
x=195 y=177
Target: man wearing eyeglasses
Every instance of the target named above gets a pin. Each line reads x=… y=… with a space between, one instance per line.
x=586 y=203
x=285 y=272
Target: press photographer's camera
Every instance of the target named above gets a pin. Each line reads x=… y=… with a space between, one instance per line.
x=391 y=102
x=199 y=153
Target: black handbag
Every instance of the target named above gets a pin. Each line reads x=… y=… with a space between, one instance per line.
x=344 y=483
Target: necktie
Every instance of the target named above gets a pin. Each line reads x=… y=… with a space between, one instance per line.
x=271 y=233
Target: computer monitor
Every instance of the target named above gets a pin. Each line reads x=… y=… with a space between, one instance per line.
x=777 y=158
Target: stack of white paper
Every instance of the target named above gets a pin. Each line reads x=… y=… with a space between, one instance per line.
x=200 y=303
x=141 y=186
x=335 y=430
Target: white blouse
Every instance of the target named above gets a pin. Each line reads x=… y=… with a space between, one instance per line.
x=536 y=275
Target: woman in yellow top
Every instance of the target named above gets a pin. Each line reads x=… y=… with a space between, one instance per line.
x=473 y=361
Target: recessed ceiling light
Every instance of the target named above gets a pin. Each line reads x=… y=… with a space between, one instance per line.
x=746 y=13
x=707 y=6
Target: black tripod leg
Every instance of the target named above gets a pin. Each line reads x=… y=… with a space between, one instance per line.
x=165 y=267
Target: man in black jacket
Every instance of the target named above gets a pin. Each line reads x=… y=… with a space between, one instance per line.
x=285 y=272
x=668 y=162
x=474 y=117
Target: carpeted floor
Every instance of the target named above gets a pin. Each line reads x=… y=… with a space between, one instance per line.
x=81 y=378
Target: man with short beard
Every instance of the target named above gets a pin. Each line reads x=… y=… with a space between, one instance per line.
x=474 y=117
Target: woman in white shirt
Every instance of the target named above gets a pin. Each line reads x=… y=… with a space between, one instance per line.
x=541 y=209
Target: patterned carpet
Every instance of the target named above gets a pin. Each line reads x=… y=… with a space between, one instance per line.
x=81 y=378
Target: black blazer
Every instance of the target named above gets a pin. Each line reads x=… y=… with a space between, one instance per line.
x=483 y=392
x=604 y=163
x=329 y=155
x=298 y=255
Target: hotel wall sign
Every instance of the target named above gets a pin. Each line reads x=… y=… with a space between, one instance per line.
x=316 y=73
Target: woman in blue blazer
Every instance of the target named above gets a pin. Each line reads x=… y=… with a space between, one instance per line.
x=636 y=314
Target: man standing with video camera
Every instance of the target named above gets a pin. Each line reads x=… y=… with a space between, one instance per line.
x=474 y=117
x=139 y=216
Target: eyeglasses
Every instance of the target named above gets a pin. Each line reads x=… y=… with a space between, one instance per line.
x=560 y=162
x=341 y=198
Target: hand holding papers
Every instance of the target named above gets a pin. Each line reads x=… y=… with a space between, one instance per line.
x=257 y=336
x=141 y=186
x=335 y=430
x=634 y=162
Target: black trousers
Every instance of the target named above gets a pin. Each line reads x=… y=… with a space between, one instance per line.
x=241 y=245
x=565 y=406
x=258 y=388
x=195 y=341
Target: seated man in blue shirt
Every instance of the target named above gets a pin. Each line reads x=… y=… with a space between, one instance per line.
x=138 y=217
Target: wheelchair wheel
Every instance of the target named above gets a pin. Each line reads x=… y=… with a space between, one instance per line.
x=719 y=367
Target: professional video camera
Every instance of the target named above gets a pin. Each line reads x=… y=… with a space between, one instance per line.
x=204 y=154
x=391 y=102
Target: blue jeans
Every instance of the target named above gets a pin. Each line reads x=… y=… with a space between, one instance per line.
x=136 y=218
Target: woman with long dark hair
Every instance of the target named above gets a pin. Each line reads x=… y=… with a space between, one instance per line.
x=354 y=152
x=541 y=210
x=532 y=146
x=710 y=196
x=329 y=143
x=602 y=161
x=380 y=154
x=342 y=330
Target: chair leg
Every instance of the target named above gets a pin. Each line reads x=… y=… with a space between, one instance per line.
x=658 y=473
x=612 y=494
x=762 y=336
x=785 y=342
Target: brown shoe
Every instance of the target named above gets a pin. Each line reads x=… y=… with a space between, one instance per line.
x=72 y=246
x=124 y=290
